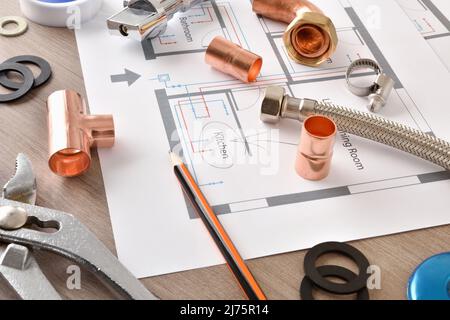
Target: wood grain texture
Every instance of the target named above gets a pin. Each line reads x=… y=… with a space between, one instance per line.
x=23 y=129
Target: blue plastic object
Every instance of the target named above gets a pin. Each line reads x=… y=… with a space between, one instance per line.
x=431 y=279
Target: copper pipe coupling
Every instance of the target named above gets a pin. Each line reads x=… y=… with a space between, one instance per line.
x=231 y=59
x=72 y=132
x=311 y=38
x=315 y=150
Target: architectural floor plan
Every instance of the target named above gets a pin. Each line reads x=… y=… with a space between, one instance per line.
x=245 y=167
x=432 y=20
x=223 y=107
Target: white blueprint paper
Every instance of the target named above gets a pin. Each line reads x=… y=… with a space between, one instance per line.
x=179 y=102
x=432 y=19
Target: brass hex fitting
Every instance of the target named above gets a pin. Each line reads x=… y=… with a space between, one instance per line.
x=310 y=38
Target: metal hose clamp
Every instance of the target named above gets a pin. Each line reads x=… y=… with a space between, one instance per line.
x=379 y=91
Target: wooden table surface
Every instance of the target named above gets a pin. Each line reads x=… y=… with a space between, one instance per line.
x=23 y=129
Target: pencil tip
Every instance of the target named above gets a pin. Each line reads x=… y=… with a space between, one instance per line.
x=175 y=159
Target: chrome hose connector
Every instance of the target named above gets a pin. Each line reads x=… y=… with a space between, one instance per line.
x=277 y=105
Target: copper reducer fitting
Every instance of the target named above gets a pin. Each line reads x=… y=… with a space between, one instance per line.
x=231 y=59
x=72 y=132
x=310 y=39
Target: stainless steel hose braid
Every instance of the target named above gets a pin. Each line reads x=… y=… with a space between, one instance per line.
x=277 y=105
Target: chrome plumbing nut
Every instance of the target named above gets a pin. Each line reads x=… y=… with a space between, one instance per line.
x=277 y=105
x=271 y=105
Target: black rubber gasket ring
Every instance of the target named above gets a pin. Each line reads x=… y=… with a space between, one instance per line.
x=307 y=285
x=342 y=248
x=43 y=77
x=27 y=85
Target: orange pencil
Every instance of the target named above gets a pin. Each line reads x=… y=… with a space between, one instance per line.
x=234 y=260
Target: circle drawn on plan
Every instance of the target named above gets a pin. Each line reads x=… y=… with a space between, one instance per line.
x=217 y=145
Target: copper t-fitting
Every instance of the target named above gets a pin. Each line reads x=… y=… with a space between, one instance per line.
x=72 y=132
x=310 y=38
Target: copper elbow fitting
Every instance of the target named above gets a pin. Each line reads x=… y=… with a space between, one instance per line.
x=315 y=150
x=311 y=38
x=72 y=132
x=231 y=59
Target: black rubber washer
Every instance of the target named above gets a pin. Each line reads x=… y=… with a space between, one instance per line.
x=46 y=71
x=337 y=247
x=307 y=285
x=28 y=81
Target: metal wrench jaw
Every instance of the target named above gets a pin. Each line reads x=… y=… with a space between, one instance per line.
x=19 y=268
x=74 y=241
x=22 y=186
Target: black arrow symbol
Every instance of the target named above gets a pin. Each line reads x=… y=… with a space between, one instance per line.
x=128 y=76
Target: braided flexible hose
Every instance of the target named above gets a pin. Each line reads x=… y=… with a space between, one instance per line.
x=388 y=132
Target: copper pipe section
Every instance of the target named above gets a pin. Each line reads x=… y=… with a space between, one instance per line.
x=310 y=38
x=231 y=59
x=315 y=150
x=283 y=10
x=72 y=132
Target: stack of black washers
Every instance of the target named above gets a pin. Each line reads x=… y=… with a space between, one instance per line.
x=317 y=276
x=17 y=64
